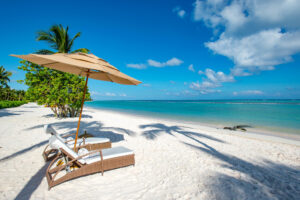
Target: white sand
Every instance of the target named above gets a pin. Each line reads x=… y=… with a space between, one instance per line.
x=173 y=160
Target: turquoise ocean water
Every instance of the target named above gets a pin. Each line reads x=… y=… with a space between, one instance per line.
x=282 y=116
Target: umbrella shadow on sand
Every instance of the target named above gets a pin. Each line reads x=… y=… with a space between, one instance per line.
x=267 y=180
x=33 y=183
x=96 y=128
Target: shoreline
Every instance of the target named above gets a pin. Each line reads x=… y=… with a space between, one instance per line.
x=254 y=133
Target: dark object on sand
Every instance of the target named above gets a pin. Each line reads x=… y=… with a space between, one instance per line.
x=240 y=127
x=85 y=135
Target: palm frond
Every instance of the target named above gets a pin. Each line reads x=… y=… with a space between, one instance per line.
x=72 y=41
x=59 y=39
x=82 y=50
x=44 y=51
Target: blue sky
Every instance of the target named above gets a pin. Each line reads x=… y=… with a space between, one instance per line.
x=184 y=49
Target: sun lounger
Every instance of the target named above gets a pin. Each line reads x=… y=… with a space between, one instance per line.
x=80 y=165
x=92 y=143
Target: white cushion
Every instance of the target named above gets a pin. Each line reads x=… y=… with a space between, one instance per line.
x=109 y=153
x=92 y=140
x=56 y=143
x=83 y=151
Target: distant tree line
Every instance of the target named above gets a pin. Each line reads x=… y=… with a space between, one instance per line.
x=6 y=93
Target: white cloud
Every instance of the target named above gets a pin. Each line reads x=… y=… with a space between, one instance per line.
x=94 y=93
x=172 y=82
x=248 y=92
x=212 y=80
x=191 y=68
x=182 y=93
x=256 y=35
x=172 y=62
x=180 y=12
x=218 y=77
x=137 y=66
x=146 y=85
x=110 y=94
x=258 y=52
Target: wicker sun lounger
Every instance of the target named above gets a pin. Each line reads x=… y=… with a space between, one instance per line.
x=93 y=162
x=92 y=143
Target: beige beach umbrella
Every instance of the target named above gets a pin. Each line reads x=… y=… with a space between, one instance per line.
x=81 y=64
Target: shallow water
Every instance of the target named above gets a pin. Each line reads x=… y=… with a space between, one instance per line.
x=270 y=115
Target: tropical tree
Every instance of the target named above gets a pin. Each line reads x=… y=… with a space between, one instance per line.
x=59 y=90
x=58 y=38
x=4 y=77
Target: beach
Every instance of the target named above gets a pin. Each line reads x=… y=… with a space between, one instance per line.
x=174 y=160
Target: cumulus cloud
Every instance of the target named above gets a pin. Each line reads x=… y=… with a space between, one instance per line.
x=137 y=66
x=255 y=35
x=191 y=68
x=172 y=62
x=217 y=77
x=258 y=52
x=212 y=80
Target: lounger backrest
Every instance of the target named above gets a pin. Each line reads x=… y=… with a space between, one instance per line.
x=57 y=143
x=50 y=130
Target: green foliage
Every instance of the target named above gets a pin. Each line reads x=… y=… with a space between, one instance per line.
x=11 y=94
x=10 y=104
x=4 y=77
x=5 y=92
x=61 y=91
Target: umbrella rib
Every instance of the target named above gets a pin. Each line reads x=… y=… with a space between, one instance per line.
x=49 y=63
x=109 y=77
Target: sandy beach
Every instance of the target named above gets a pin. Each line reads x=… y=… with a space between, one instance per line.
x=173 y=160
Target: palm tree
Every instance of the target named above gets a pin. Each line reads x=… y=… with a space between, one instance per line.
x=4 y=77
x=59 y=39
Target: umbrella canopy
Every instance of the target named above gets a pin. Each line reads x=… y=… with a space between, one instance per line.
x=81 y=64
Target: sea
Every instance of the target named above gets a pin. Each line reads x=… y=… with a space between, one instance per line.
x=278 y=116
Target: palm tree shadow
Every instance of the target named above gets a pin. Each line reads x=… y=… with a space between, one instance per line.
x=33 y=183
x=5 y=113
x=23 y=151
x=269 y=180
x=158 y=128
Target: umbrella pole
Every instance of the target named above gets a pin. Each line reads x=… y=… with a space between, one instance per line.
x=82 y=102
